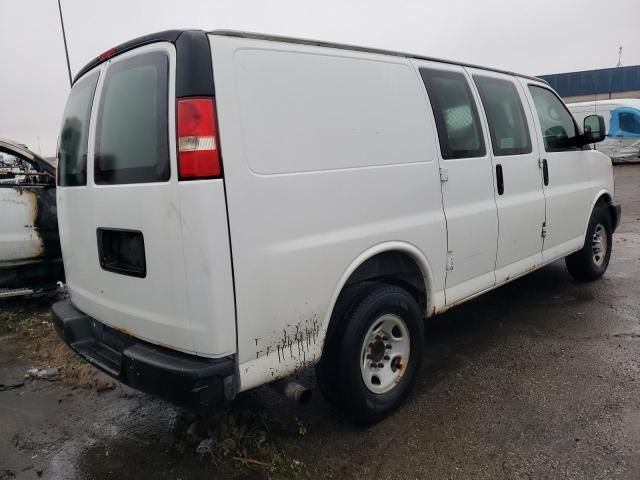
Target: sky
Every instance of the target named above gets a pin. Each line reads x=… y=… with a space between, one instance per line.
x=532 y=37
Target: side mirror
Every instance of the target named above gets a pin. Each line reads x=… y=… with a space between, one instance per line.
x=594 y=129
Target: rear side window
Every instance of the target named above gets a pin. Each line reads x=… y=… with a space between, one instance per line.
x=72 y=145
x=455 y=114
x=132 y=143
x=557 y=125
x=507 y=122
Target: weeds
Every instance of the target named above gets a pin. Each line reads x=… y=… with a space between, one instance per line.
x=239 y=437
x=34 y=338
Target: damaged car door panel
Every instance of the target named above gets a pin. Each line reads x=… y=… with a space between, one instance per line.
x=30 y=257
x=236 y=207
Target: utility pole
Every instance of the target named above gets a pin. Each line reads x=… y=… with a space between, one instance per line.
x=64 y=39
x=619 y=64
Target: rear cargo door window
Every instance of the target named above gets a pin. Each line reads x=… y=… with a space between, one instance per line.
x=132 y=144
x=72 y=146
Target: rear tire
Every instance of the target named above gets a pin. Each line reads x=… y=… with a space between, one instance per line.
x=590 y=263
x=328 y=368
x=370 y=364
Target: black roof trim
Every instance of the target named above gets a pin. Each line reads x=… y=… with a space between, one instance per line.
x=166 y=36
x=343 y=46
x=194 y=71
x=194 y=74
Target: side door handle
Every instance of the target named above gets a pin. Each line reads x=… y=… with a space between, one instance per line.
x=499 y=179
x=545 y=172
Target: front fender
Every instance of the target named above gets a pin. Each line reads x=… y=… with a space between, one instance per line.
x=615 y=209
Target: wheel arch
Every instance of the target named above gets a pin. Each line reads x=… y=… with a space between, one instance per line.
x=603 y=197
x=398 y=263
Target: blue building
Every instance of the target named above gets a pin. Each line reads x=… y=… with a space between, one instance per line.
x=619 y=82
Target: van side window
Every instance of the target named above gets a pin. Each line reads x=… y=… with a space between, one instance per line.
x=455 y=113
x=558 y=127
x=72 y=146
x=507 y=122
x=132 y=143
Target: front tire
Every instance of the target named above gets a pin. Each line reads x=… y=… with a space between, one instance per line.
x=590 y=263
x=376 y=354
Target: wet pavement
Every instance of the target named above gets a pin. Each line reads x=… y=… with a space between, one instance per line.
x=538 y=379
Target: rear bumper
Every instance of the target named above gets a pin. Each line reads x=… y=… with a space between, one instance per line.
x=616 y=212
x=181 y=378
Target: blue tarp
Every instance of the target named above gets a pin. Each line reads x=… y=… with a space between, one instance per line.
x=625 y=123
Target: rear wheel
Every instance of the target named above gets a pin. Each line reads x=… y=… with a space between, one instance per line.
x=328 y=367
x=590 y=263
x=375 y=356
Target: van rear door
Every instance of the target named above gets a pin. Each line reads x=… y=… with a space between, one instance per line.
x=144 y=252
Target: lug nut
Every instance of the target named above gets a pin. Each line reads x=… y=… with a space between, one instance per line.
x=373 y=365
x=369 y=357
x=387 y=357
x=388 y=346
x=380 y=365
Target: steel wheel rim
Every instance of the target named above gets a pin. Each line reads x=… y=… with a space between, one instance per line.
x=385 y=353
x=599 y=245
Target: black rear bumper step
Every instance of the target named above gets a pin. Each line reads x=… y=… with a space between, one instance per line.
x=181 y=378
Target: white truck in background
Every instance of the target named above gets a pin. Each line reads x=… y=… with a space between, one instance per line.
x=622 y=120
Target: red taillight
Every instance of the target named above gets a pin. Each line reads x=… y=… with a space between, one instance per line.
x=108 y=54
x=198 y=153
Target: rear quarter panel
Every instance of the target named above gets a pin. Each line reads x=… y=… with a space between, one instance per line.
x=327 y=154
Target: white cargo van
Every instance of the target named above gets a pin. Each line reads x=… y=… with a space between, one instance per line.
x=235 y=207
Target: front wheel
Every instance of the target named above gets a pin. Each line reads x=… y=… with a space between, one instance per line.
x=377 y=354
x=590 y=263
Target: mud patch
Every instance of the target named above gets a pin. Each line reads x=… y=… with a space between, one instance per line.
x=293 y=343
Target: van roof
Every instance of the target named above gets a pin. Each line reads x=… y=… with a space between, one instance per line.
x=172 y=36
x=344 y=46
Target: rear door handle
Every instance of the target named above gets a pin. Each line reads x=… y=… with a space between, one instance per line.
x=499 y=179
x=545 y=172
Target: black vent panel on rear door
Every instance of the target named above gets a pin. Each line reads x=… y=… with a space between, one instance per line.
x=122 y=251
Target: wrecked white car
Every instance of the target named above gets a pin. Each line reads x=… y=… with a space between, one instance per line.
x=30 y=259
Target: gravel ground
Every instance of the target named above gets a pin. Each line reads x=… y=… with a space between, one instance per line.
x=538 y=379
